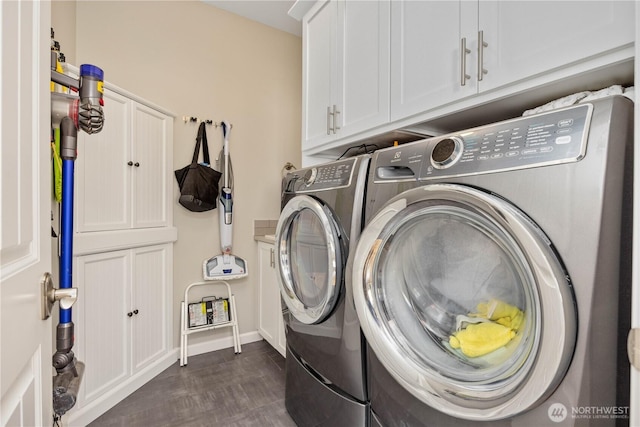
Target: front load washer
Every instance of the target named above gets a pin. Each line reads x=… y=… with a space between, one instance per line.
x=322 y=209
x=492 y=278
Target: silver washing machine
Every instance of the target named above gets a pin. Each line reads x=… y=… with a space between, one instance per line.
x=492 y=278
x=322 y=210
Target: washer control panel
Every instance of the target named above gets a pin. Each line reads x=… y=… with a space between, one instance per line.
x=545 y=139
x=326 y=177
x=555 y=137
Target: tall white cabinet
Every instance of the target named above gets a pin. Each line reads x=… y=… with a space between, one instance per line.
x=123 y=248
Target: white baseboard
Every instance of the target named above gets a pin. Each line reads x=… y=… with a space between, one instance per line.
x=92 y=410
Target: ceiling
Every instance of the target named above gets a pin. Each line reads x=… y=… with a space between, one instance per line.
x=269 y=12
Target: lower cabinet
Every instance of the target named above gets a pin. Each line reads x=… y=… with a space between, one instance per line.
x=123 y=316
x=270 y=321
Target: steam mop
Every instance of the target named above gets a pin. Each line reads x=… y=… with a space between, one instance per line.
x=225 y=266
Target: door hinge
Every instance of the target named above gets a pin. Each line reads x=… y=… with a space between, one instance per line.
x=633 y=347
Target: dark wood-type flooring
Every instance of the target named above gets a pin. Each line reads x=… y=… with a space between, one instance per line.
x=214 y=389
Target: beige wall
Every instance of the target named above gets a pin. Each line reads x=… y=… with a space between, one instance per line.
x=196 y=60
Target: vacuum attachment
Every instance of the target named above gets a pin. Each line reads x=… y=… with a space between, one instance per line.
x=65 y=389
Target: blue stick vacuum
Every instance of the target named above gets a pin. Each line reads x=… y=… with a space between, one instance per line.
x=84 y=112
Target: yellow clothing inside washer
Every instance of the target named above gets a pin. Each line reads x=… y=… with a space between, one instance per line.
x=478 y=339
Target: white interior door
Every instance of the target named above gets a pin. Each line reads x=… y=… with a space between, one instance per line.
x=25 y=202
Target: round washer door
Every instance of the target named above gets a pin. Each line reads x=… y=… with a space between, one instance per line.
x=464 y=301
x=309 y=259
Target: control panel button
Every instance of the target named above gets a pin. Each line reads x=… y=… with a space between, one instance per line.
x=563 y=139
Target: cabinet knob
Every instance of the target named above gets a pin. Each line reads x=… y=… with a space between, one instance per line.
x=130 y=314
x=130 y=163
x=137 y=164
x=135 y=311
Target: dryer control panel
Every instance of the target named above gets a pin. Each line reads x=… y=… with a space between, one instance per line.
x=325 y=177
x=559 y=136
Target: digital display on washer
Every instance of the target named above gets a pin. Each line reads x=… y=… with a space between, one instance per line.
x=555 y=137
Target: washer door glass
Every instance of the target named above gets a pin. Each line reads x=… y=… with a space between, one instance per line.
x=464 y=301
x=308 y=254
x=458 y=293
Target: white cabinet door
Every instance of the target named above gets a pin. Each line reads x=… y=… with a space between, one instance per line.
x=102 y=327
x=363 y=62
x=426 y=55
x=103 y=176
x=319 y=71
x=270 y=322
x=526 y=38
x=151 y=177
x=123 y=173
x=149 y=304
x=122 y=315
x=267 y=321
x=345 y=69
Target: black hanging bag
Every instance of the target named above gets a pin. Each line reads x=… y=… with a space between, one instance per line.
x=198 y=182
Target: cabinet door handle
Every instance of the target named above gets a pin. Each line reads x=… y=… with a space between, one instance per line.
x=463 y=61
x=135 y=311
x=136 y=164
x=130 y=163
x=273 y=259
x=481 y=45
x=130 y=314
x=329 y=115
x=335 y=119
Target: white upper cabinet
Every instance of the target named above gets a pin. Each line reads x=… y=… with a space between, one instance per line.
x=319 y=71
x=345 y=69
x=426 y=61
x=444 y=51
x=364 y=61
x=528 y=38
x=123 y=174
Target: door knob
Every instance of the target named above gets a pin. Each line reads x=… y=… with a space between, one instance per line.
x=65 y=297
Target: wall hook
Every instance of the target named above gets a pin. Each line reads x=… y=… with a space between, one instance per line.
x=189 y=119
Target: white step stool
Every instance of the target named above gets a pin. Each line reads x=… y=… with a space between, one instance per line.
x=185 y=330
